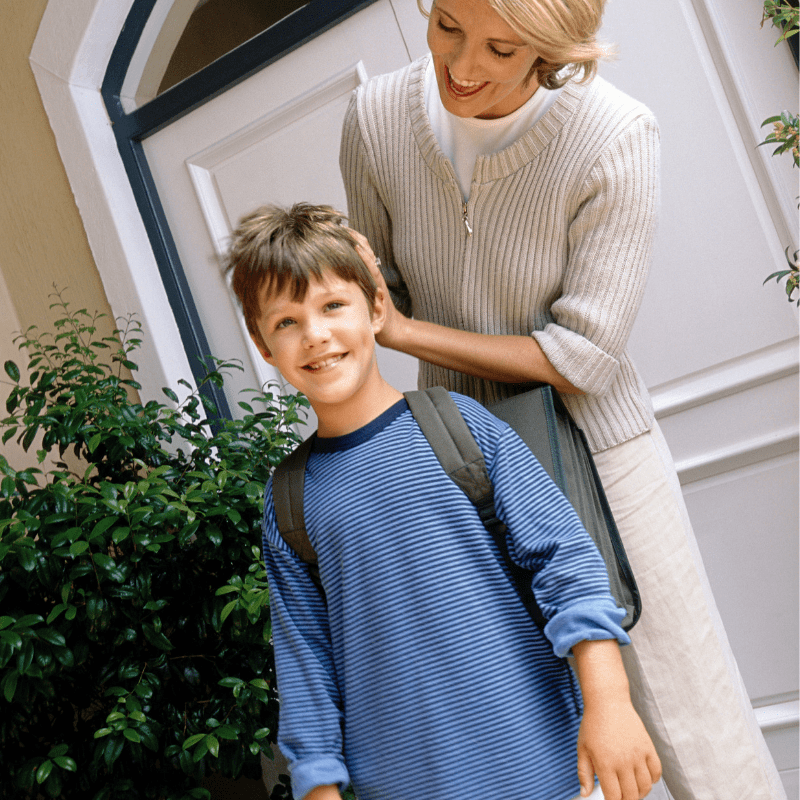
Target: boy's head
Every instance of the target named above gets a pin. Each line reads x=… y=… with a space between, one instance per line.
x=275 y=250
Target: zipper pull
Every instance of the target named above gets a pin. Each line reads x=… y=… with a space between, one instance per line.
x=465 y=220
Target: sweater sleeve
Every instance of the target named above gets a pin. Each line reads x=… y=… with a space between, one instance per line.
x=546 y=536
x=310 y=725
x=366 y=209
x=610 y=240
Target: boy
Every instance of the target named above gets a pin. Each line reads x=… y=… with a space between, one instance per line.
x=417 y=672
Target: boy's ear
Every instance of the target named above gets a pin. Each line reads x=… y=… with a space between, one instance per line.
x=379 y=311
x=265 y=354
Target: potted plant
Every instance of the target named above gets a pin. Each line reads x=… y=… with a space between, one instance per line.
x=135 y=650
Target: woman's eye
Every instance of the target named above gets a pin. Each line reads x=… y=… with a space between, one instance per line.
x=445 y=28
x=500 y=53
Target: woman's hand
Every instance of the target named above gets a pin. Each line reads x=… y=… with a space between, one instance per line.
x=507 y=359
x=394 y=319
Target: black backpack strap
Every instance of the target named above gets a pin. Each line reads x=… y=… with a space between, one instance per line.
x=461 y=458
x=288 y=485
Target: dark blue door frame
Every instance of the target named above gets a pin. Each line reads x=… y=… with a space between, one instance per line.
x=130 y=129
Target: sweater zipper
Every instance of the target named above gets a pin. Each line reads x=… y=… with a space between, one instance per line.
x=465 y=219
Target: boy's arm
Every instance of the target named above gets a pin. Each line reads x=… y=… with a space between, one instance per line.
x=324 y=793
x=612 y=742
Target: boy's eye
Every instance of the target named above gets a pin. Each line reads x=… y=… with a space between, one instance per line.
x=333 y=306
x=284 y=323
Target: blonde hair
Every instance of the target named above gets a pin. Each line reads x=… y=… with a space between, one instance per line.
x=284 y=249
x=561 y=32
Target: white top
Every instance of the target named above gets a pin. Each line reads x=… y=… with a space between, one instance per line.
x=462 y=140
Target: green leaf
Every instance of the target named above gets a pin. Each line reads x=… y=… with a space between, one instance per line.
x=102 y=526
x=213 y=745
x=228 y=609
x=100 y=732
x=227 y=732
x=11 y=638
x=113 y=750
x=66 y=763
x=193 y=740
x=94 y=441
x=52 y=636
x=78 y=548
x=58 y=750
x=44 y=771
x=12 y=370
x=156 y=639
x=132 y=735
x=9 y=684
x=26 y=558
x=169 y=393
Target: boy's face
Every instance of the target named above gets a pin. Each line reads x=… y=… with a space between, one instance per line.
x=324 y=344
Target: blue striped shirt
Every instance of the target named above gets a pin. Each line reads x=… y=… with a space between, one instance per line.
x=419 y=673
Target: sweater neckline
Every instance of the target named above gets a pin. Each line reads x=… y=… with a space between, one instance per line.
x=335 y=444
x=497 y=165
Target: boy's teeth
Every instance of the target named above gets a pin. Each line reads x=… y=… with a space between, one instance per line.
x=315 y=365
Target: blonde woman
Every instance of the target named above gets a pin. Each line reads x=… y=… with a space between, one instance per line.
x=511 y=197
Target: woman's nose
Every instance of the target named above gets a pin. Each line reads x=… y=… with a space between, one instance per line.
x=464 y=62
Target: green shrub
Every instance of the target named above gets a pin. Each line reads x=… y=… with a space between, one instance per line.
x=135 y=648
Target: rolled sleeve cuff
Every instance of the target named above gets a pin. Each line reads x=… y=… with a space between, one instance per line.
x=318 y=771
x=575 y=358
x=585 y=621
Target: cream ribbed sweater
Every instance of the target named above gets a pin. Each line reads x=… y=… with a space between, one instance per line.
x=562 y=224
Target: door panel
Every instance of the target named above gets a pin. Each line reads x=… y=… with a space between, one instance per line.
x=273 y=138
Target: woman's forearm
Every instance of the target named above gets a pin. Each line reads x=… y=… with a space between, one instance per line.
x=507 y=359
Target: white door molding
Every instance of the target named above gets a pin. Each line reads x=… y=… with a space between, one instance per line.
x=69 y=59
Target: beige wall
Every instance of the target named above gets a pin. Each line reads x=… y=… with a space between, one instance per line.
x=42 y=240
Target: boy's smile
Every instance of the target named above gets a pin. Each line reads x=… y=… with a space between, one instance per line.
x=324 y=345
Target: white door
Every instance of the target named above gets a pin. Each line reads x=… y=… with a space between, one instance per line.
x=272 y=139
x=717 y=350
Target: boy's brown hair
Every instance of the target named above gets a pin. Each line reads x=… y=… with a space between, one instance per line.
x=284 y=248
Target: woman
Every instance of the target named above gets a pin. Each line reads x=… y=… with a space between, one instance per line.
x=511 y=200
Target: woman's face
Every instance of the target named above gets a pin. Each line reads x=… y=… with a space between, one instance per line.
x=480 y=62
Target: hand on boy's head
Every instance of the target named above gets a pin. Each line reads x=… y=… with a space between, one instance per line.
x=364 y=249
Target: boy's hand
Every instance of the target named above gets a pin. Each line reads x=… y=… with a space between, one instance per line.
x=612 y=743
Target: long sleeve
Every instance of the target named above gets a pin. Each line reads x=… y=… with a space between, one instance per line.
x=310 y=731
x=609 y=240
x=546 y=536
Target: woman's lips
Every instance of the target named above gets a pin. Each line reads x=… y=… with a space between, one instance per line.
x=458 y=90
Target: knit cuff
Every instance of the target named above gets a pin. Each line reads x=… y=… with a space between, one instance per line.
x=586 y=620
x=575 y=358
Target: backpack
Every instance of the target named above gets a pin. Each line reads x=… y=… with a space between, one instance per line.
x=554 y=438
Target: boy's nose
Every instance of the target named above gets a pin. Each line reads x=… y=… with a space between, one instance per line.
x=315 y=333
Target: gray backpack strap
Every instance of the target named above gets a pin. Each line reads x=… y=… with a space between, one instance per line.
x=288 y=485
x=452 y=441
x=461 y=458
